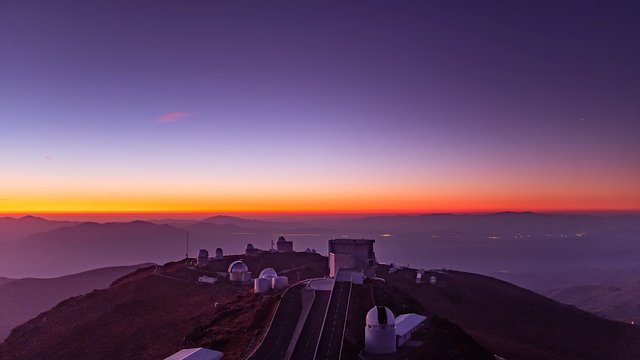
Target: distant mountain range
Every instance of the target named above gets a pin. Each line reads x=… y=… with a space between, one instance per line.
x=503 y=223
x=18 y=228
x=31 y=246
x=253 y=224
x=85 y=246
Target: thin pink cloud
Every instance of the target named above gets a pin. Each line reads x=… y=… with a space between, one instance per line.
x=172 y=116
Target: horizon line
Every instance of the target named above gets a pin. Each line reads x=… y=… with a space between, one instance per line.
x=319 y=213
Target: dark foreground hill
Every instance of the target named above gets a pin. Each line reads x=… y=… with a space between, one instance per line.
x=516 y=323
x=154 y=312
x=22 y=299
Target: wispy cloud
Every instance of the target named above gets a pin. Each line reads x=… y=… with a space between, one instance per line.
x=172 y=116
x=48 y=157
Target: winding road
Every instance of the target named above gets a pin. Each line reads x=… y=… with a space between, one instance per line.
x=275 y=343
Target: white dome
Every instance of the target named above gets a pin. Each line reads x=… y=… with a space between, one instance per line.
x=237 y=267
x=268 y=272
x=281 y=239
x=203 y=253
x=380 y=315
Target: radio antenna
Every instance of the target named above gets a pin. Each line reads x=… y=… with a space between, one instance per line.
x=186 y=255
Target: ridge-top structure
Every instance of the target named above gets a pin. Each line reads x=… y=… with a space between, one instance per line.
x=283 y=245
x=352 y=254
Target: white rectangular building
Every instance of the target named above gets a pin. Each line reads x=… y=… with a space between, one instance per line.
x=207 y=279
x=406 y=325
x=196 y=354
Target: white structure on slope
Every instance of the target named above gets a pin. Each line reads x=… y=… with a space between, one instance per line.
x=383 y=332
x=268 y=273
x=406 y=325
x=207 y=279
x=279 y=282
x=219 y=253
x=238 y=271
x=269 y=279
x=261 y=285
x=380 y=331
x=196 y=354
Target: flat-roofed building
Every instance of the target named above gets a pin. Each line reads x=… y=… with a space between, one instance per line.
x=352 y=254
x=196 y=354
x=406 y=325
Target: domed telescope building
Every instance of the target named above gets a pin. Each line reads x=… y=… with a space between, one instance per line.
x=239 y=272
x=380 y=331
x=203 y=258
x=250 y=250
x=269 y=279
x=283 y=245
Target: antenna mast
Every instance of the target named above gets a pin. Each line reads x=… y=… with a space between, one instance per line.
x=186 y=255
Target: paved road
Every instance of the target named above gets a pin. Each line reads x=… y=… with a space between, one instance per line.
x=275 y=344
x=308 y=340
x=333 y=329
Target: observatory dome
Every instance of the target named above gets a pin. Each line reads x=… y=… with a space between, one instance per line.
x=380 y=331
x=268 y=273
x=281 y=239
x=203 y=253
x=380 y=315
x=238 y=267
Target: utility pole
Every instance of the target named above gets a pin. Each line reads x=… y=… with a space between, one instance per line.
x=186 y=255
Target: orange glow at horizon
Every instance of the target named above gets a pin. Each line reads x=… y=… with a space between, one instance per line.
x=463 y=193
x=344 y=204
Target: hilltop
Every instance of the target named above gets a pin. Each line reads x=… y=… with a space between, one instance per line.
x=156 y=311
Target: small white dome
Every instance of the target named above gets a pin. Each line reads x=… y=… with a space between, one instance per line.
x=380 y=315
x=268 y=272
x=237 y=267
x=281 y=239
x=203 y=253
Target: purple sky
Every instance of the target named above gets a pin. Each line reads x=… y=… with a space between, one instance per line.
x=409 y=105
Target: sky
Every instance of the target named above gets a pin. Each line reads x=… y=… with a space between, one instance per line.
x=319 y=106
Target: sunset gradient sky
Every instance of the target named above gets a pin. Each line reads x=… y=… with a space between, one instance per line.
x=319 y=106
